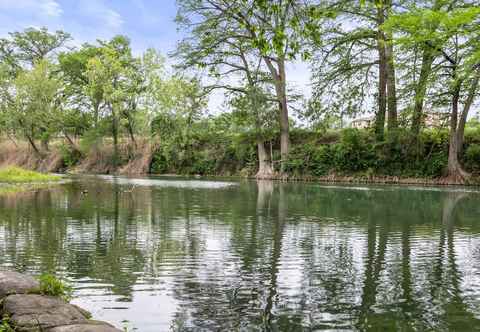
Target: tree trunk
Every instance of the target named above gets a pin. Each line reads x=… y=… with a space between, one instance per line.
x=96 y=111
x=115 y=137
x=29 y=136
x=130 y=123
x=72 y=144
x=44 y=140
x=466 y=108
x=456 y=173
x=96 y=114
x=392 y=123
x=11 y=138
x=420 y=91
x=284 y=125
x=32 y=144
x=130 y=132
x=265 y=169
x=281 y=92
x=382 y=75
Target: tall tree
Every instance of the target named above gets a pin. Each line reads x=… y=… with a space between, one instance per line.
x=34 y=106
x=236 y=68
x=274 y=28
x=343 y=69
x=114 y=73
x=32 y=44
x=447 y=33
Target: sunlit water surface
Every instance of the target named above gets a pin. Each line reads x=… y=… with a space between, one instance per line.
x=193 y=255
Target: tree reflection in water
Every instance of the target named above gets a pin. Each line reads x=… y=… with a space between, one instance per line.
x=263 y=256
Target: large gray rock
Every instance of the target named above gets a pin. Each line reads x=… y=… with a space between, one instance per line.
x=29 y=312
x=91 y=326
x=32 y=313
x=17 y=283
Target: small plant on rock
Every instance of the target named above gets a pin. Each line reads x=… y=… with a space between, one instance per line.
x=50 y=285
x=5 y=325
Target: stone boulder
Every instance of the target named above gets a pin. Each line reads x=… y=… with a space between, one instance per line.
x=32 y=313
x=29 y=312
x=91 y=326
x=17 y=283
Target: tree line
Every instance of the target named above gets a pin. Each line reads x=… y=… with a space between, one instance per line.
x=396 y=59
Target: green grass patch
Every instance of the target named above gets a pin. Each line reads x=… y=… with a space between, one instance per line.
x=13 y=174
x=50 y=285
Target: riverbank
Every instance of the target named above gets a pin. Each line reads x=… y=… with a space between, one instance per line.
x=347 y=155
x=25 y=306
x=374 y=179
x=358 y=178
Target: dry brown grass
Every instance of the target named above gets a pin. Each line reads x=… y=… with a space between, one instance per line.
x=132 y=161
x=98 y=159
x=140 y=159
x=22 y=155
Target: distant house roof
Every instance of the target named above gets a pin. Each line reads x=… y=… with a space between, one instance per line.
x=366 y=118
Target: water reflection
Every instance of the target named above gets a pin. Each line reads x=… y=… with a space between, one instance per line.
x=259 y=256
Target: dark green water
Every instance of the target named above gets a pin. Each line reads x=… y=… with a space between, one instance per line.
x=189 y=255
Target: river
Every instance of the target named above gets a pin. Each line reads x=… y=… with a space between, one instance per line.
x=177 y=254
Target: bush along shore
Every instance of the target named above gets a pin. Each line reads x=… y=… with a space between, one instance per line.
x=41 y=305
x=348 y=155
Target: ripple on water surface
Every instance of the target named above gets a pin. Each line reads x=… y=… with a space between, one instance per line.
x=185 y=254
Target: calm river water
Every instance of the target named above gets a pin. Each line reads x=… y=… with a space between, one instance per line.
x=165 y=254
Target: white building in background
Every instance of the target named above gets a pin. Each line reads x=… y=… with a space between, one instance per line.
x=435 y=119
x=431 y=120
x=362 y=123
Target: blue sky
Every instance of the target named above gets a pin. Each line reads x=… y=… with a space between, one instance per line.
x=148 y=23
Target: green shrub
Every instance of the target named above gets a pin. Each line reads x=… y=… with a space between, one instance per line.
x=50 y=285
x=472 y=157
x=473 y=153
x=159 y=163
x=69 y=156
x=5 y=325
x=435 y=165
x=322 y=160
x=355 y=151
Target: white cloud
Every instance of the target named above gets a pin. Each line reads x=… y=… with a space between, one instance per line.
x=44 y=8
x=148 y=16
x=113 y=19
x=98 y=10
x=51 y=8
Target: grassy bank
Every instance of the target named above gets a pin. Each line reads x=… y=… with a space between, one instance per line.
x=17 y=175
